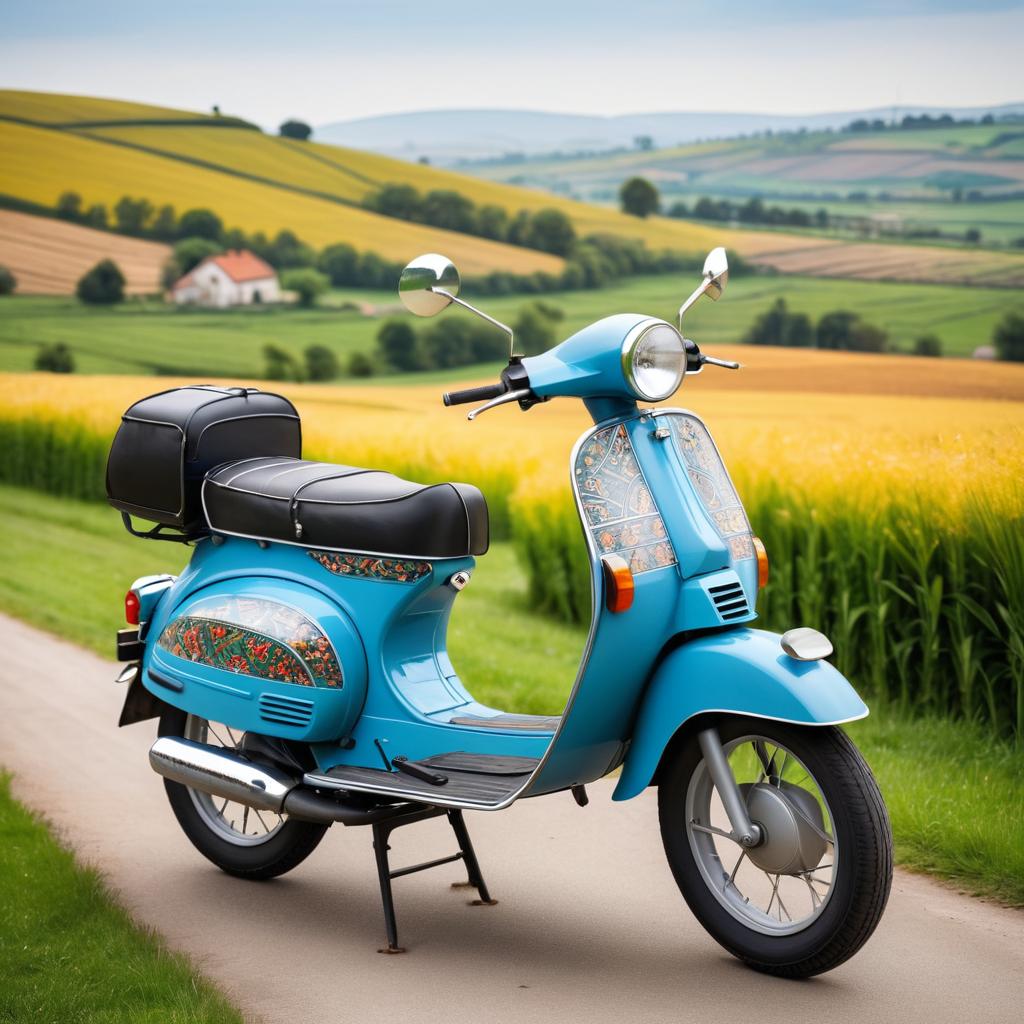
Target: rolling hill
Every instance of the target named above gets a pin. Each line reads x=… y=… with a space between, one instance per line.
x=104 y=150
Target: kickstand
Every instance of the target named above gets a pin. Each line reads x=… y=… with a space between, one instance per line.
x=381 y=833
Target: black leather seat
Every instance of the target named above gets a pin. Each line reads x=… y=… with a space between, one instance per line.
x=317 y=504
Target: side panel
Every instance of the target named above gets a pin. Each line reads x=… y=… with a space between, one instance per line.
x=743 y=671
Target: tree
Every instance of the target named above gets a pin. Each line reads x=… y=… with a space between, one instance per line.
x=643 y=142
x=639 y=197
x=288 y=251
x=103 y=285
x=834 y=329
x=492 y=222
x=401 y=201
x=535 y=327
x=778 y=326
x=450 y=210
x=69 y=206
x=552 y=231
x=295 y=130
x=339 y=262
x=280 y=364
x=165 y=224
x=200 y=223
x=928 y=345
x=56 y=358
x=396 y=341
x=1009 y=338
x=321 y=363
x=190 y=252
x=96 y=216
x=868 y=338
x=8 y=282
x=132 y=215
x=360 y=365
x=972 y=236
x=307 y=283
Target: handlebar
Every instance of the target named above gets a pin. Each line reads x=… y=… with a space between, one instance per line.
x=484 y=394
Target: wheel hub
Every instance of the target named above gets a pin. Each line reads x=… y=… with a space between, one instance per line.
x=792 y=828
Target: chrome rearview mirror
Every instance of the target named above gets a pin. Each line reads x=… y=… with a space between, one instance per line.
x=716 y=274
x=428 y=284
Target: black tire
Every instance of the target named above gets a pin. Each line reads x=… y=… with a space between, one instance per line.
x=284 y=850
x=862 y=831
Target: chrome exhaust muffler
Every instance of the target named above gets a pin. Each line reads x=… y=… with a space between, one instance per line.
x=220 y=773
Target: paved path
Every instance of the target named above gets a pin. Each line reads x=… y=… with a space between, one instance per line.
x=590 y=926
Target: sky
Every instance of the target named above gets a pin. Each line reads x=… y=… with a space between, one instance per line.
x=327 y=61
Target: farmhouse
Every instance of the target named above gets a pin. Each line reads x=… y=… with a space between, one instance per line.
x=234 y=278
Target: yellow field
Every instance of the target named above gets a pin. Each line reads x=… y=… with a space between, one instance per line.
x=61 y=108
x=836 y=440
x=38 y=164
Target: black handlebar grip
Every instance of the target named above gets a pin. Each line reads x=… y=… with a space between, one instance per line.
x=484 y=394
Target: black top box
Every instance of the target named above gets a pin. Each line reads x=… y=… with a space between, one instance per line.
x=168 y=442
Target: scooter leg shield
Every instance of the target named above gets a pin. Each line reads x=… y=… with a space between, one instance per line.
x=743 y=672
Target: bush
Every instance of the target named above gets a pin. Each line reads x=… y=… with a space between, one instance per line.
x=201 y=224
x=56 y=358
x=69 y=206
x=450 y=210
x=295 y=130
x=281 y=364
x=845 y=330
x=360 y=365
x=535 y=327
x=165 y=224
x=287 y=250
x=639 y=197
x=307 y=283
x=132 y=215
x=321 y=363
x=551 y=231
x=8 y=282
x=1009 y=338
x=101 y=286
x=96 y=216
x=398 y=346
x=778 y=326
x=402 y=201
x=928 y=345
x=190 y=252
x=339 y=262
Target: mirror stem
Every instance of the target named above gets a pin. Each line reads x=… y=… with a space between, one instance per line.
x=480 y=313
x=697 y=293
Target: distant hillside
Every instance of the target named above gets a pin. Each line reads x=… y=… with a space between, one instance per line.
x=447 y=136
x=260 y=182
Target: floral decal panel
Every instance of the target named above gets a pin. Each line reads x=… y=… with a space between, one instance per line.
x=368 y=567
x=254 y=637
x=707 y=473
x=619 y=509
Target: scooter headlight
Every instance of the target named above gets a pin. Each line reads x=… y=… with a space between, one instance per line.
x=654 y=360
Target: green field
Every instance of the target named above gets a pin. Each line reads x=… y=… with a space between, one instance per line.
x=955 y=796
x=68 y=954
x=151 y=337
x=816 y=169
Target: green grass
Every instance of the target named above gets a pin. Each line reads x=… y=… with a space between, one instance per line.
x=70 y=955
x=150 y=337
x=956 y=796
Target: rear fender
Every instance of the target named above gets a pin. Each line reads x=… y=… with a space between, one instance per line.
x=743 y=672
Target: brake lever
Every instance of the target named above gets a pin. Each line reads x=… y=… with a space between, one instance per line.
x=727 y=363
x=509 y=396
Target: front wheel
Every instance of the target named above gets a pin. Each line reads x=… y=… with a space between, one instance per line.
x=240 y=840
x=810 y=894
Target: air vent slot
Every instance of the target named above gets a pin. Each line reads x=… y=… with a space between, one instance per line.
x=730 y=601
x=285 y=710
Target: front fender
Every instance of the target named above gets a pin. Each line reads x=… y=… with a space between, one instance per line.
x=743 y=672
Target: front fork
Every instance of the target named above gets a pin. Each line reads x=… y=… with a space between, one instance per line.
x=744 y=831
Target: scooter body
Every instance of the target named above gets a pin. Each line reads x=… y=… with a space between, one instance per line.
x=343 y=654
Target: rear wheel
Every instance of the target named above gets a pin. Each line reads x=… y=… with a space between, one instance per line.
x=810 y=894
x=239 y=839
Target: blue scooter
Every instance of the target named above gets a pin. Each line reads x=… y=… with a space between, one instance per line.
x=299 y=670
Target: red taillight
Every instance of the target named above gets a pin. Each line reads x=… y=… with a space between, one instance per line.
x=131 y=608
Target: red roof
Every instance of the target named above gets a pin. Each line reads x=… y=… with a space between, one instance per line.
x=242 y=265
x=239 y=264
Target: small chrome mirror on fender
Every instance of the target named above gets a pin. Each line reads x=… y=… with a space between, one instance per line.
x=428 y=284
x=716 y=273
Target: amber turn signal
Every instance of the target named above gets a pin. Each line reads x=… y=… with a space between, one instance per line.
x=762 y=562
x=618 y=583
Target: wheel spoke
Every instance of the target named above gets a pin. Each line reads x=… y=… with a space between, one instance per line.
x=732 y=877
x=711 y=830
x=245 y=819
x=217 y=735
